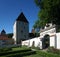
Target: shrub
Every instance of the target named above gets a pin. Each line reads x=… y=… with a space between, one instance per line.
x=5 y=49
x=53 y=50
x=21 y=54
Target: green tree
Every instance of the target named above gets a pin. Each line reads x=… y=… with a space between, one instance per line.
x=49 y=12
x=10 y=35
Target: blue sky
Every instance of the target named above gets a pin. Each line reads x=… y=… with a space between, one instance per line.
x=10 y=10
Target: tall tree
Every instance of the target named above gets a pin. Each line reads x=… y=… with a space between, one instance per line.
x=49 y=12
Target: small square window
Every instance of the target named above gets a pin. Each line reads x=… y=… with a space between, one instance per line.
x=21 y=31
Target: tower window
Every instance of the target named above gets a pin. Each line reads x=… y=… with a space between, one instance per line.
x=21 y=31
x=24 y=27
x=25 y=36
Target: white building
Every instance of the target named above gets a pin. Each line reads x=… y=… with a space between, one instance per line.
x=48 y=37
x=21 y=29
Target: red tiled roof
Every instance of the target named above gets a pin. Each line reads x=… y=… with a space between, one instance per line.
x=4 y=37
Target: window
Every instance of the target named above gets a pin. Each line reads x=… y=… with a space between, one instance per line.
x=3 y=41
x=21 y=31
x=24 y=27
x=25 y=36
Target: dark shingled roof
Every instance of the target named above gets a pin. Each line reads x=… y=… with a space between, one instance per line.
x=3 y=32
x=22 y=18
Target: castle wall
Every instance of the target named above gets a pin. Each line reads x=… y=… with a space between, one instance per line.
x=58 y=40
x=30 y=43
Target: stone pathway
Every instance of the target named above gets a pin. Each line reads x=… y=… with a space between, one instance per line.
x=44 y=50
x=33 y=49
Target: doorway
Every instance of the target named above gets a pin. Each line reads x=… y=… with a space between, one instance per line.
x=46 y=41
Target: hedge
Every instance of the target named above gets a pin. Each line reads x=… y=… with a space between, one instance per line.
x=13 y=52
x=20 y=54
x=5 y=49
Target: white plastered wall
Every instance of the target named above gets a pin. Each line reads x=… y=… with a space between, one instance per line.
x=58 y=40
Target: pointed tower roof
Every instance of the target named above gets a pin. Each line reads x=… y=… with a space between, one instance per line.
x=22 y=18
x=3 y=32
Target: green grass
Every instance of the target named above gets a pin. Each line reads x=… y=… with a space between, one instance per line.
x=27 y=52
x=40 y=53
x=19 y=48
x=17 y=51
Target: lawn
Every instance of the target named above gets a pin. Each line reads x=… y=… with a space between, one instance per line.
x=40 y=53
x=16 y=52
x=26 y=52
x=19 y=48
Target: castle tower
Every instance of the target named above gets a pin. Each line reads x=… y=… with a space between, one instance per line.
x=3 y=32
x=20 y=29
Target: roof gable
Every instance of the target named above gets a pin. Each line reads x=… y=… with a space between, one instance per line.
x=22 y=18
